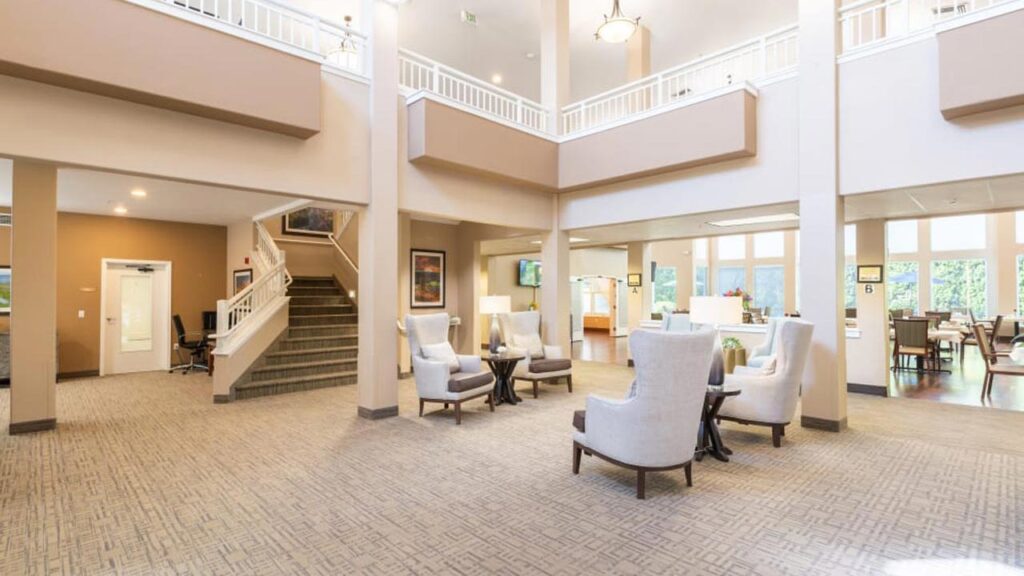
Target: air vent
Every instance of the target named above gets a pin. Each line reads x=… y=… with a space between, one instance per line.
x=5 y=219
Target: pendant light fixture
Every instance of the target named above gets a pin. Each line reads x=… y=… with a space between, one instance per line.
x=348 y=44
x=617 y=28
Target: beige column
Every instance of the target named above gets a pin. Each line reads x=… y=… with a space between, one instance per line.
x=378 y=225
x=404 y=289
x=467 y=270
x=554 y=59
x=791 y=304
x=555 y=297
x=637 y=257
x=869 y=354
x=34 y=298
x=638 y=55
x=823 y=403
x=1001 y=256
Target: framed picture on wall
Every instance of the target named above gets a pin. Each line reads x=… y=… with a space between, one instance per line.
x=5 y=290
x=241 y=279
x=871 y=274
x=309 y=222
x=428 y=279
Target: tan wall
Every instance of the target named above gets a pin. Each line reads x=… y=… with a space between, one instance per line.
x=126 y=51
x=240 y=243
x=434 y=236
x=722 y=128
x=444 y=135
x=979 y=66
x=198 y=258
x=114 y=135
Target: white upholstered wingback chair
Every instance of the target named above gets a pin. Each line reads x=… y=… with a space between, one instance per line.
x=442 y=375
x=770 y=392
x=543 y=363
x=655 y=427
x=761 y=352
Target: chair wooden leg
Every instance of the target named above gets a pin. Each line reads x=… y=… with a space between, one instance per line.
x=535 y=388
x=577 y=453
x=568 y=382
x=421 y=407
x=640 y=485
x=776 y=435
x=445 y=405
x=688 y=470
x=991 y=378
x=490 y=401
x=458 y=413
x=783 y=432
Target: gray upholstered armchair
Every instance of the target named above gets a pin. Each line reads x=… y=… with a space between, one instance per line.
x=543 y=363
x=655 y=427
x=443 y=376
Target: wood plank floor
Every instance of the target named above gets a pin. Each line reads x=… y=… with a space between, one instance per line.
x=599 y=346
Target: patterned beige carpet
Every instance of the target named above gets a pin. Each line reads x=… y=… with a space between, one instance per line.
x=145 y=475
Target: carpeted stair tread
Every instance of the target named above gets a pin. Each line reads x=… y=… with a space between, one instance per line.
x=296 y=380
x=305 y=351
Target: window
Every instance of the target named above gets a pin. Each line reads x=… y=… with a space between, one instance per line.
x=769 y=245
x=902 y=285
x=958 y=233
x=1020 y=281
x=901 y=236
x=595 y=297
x=769 y=288
x=731 y=278
x=664 y=289
x=850 y=287
x=960 y=284
x=700 y=248
x=732 y=247
x=700 y=281
x=850 y=239
x=1019 y=221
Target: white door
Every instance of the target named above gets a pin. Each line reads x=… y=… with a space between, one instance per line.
x=136 y=310
x=576 y=290
x=620 y=320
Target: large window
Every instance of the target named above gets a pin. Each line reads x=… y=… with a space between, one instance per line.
x=700 y=281
x=700 y=249
x=902 y=236
x=769 y=288
x=731 y=278
x=769 y=245
x=850 y=286
x=595 y=296
x=959 y=284
x=902 y=285
x=958 y=233
x=732 y=247
x=850 y=240
x=664 y=289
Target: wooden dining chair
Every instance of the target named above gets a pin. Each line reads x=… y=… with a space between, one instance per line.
x=992 y=365
x=912 y=341
x=990 y=335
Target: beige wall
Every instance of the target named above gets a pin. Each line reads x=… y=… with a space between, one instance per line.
x=198 y=258
x=240 y=242
x=677 y=254
x=434 y=236
x=715 y=130
x=976 y=63
x=115 y=135
x=598 y=262
x=245 y=82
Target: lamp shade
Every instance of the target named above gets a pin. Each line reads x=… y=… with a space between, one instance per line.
x=495 y=304
x=716 y=310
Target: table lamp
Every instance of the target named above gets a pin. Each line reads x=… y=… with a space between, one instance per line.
x=715 y=311
x=495 y=305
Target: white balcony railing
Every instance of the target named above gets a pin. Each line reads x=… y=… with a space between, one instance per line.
x=870 y=22
x=332 y=44
x=416 y=73
x=241 y=314
x=764 y=56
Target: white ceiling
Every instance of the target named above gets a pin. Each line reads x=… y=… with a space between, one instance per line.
x=92 y=192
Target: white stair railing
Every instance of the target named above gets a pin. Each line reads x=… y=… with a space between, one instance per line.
x=766 y=55
x=416 y=73
x=870 y=22
x=242 y=314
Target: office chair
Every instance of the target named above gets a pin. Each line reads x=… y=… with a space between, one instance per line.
x=197 y=350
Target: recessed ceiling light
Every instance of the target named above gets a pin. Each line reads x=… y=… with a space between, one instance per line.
x=575 y=240
x=396 y=2
x=535 y=242
x=530 y=55
x=784 y=217
x=138 y=193
x=496 y=79
x=120 y=210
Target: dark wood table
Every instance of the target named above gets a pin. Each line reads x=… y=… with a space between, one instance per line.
x=502 y=366
x=709 y=440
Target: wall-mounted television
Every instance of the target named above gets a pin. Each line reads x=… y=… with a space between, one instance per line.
x=529 y=273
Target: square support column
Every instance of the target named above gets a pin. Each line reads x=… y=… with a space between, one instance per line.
x=404 y=290
x=869 y=369
x=555 y=297
x=378 y=225
x=823 y=403
x=34 y=298
x=554 y=60
x=467 y=270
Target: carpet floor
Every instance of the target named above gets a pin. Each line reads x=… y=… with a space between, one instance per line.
x=145 y=475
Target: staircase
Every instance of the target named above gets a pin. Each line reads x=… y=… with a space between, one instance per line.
x=318 y=349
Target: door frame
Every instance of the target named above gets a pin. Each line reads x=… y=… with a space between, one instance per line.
x=165 y=356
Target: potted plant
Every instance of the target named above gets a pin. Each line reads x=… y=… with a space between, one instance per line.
x=739 y=293
x=734 y=353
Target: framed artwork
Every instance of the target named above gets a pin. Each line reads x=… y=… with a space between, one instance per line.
x=5 y=289
x=869 y=274
x=241 y=279
x=309 y=222
x=634 y=280
x=428 y=279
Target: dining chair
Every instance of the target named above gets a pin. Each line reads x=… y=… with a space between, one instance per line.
x=912 y=341
x=992 y=365
x=991 y=335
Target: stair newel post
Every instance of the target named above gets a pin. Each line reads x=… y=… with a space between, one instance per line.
x=222 y=316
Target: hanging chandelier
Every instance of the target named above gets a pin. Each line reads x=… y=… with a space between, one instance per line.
x=348 y=44
x=617 y=28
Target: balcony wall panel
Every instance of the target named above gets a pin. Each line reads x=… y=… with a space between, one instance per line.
x=980 y=66
x=122 y=50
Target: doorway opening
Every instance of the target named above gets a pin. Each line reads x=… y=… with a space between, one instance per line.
x=600 y=318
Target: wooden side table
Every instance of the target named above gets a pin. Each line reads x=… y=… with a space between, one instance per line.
x=709 y=441
x=502 y=366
